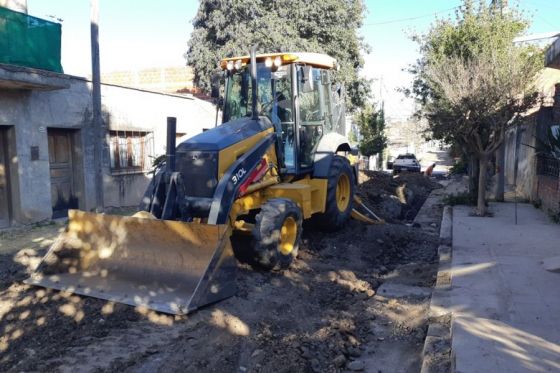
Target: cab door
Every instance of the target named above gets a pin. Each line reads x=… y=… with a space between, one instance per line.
x=312 y=113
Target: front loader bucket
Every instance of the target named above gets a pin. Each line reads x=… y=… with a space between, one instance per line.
x=164 y=265
x=363 y=213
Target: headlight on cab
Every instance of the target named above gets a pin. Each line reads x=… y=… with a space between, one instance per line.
x=268 y=62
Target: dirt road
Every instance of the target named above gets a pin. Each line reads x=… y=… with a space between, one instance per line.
x=339 y=307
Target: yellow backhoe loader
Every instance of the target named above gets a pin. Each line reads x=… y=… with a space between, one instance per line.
x=279 y=157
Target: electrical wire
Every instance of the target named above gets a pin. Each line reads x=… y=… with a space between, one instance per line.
x=411 y=18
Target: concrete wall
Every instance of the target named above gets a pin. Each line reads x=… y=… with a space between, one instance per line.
x=131 y=109
x=535 y=188
x=30 y=113
x=166 y=79
x=522 y=141
x=552 y=56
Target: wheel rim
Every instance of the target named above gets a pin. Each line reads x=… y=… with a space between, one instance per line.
x=288 y=234
x=343 y=192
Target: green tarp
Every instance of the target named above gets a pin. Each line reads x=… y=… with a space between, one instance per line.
x=29 y=41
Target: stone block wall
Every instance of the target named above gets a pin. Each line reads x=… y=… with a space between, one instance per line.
x=548 y=192
x=168 y=79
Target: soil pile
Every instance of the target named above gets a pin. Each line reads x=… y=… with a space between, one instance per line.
x=395 y=198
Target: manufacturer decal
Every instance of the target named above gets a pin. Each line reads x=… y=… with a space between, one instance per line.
x=238 y=175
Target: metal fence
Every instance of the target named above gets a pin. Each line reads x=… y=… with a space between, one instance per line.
x=548 y=166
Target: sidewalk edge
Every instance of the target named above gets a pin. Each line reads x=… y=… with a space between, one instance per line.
x=437 y=354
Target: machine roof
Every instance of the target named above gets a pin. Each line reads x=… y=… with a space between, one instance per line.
x=313 y=59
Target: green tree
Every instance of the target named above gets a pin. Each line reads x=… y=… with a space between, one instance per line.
x=472 y=82
x=371 y=124
x=352 y=137
x=226 y=28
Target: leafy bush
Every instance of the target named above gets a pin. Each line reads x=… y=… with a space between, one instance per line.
x=460 y=199
x=460 y=167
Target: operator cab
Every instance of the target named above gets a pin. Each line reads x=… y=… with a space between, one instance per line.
x=295 y=93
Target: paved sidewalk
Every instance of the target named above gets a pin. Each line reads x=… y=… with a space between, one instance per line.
x=506 y=307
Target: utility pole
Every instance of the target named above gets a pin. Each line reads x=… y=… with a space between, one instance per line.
x=98 y=127
x=500 y=3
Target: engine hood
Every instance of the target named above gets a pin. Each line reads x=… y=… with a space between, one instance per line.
x=225 y=135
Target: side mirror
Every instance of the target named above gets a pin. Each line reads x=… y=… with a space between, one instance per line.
x=307 y=79
x=339 y=90
x=215 y=81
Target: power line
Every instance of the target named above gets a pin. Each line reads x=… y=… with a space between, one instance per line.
x=411 y=18
x=546 y=21
x=546 y=5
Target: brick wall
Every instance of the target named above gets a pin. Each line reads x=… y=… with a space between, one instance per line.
x=548 y=191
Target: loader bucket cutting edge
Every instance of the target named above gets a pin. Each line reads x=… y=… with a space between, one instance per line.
x=363 y=213
x=168 y=266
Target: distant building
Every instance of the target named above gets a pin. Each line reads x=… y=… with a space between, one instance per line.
x=553 y=55
x=46 y=141
x=16 y=5
x=165 y=79
x=404 y=136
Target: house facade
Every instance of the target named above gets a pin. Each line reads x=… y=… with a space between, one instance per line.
x=548 y=167
x=47 y=147
x=529 y=169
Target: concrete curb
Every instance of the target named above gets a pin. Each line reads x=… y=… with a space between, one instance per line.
x=446 y=230
x=436 y=354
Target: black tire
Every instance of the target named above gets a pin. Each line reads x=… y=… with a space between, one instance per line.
x=271 y=248
x=335 y=216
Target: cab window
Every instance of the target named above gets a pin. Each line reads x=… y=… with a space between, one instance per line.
x=312 y=113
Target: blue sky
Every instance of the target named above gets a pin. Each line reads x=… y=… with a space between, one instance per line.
x=392 y=49
x=138 y=34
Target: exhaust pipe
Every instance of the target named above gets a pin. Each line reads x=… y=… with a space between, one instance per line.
x=253 y=55
x=171 y=144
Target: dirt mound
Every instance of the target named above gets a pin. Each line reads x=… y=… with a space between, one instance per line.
x=395 y=198
x=318 y=316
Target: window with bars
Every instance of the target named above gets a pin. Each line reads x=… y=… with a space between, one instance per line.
x=130 y=150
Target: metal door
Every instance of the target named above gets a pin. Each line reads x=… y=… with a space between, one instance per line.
x=4 y=181
x=62 y=180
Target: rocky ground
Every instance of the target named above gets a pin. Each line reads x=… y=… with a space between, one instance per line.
x=354 y=300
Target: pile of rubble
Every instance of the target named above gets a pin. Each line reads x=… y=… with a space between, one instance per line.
x=395 y=198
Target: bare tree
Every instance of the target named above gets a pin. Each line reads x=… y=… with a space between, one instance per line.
x=483 y=96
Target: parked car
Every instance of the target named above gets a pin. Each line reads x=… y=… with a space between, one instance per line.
x=406 y=162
